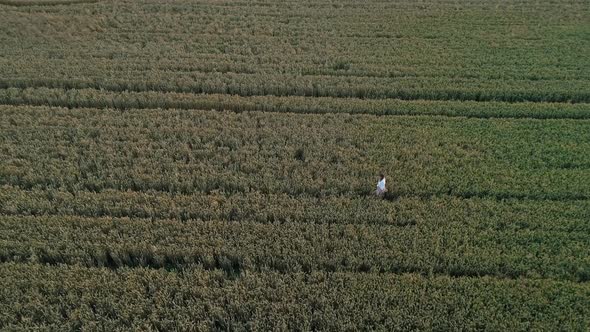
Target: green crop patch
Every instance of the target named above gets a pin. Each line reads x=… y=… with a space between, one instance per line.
x=217 y=165
x=244 y=193
x=403 y=50
x=188 y=152
x=75 y=297
x=457 y=249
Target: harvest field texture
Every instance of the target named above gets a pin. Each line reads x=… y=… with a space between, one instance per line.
x=210 y=165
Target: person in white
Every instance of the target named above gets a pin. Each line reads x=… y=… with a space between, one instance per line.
x=381 y=190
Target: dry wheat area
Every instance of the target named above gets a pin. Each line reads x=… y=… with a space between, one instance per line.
x=210 y=165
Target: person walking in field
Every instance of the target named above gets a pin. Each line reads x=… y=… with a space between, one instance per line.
x=381 y=189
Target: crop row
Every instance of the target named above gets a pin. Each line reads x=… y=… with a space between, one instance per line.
x=323 y=86
x=72 y=297
x=387 y=50
x=343 y=67
x=198 y=151
x=436 y=212
x=340 y=67
x=241 y=246
x=92 y=98
x=380 y=34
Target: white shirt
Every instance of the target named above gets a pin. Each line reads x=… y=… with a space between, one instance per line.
x=381 y=184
